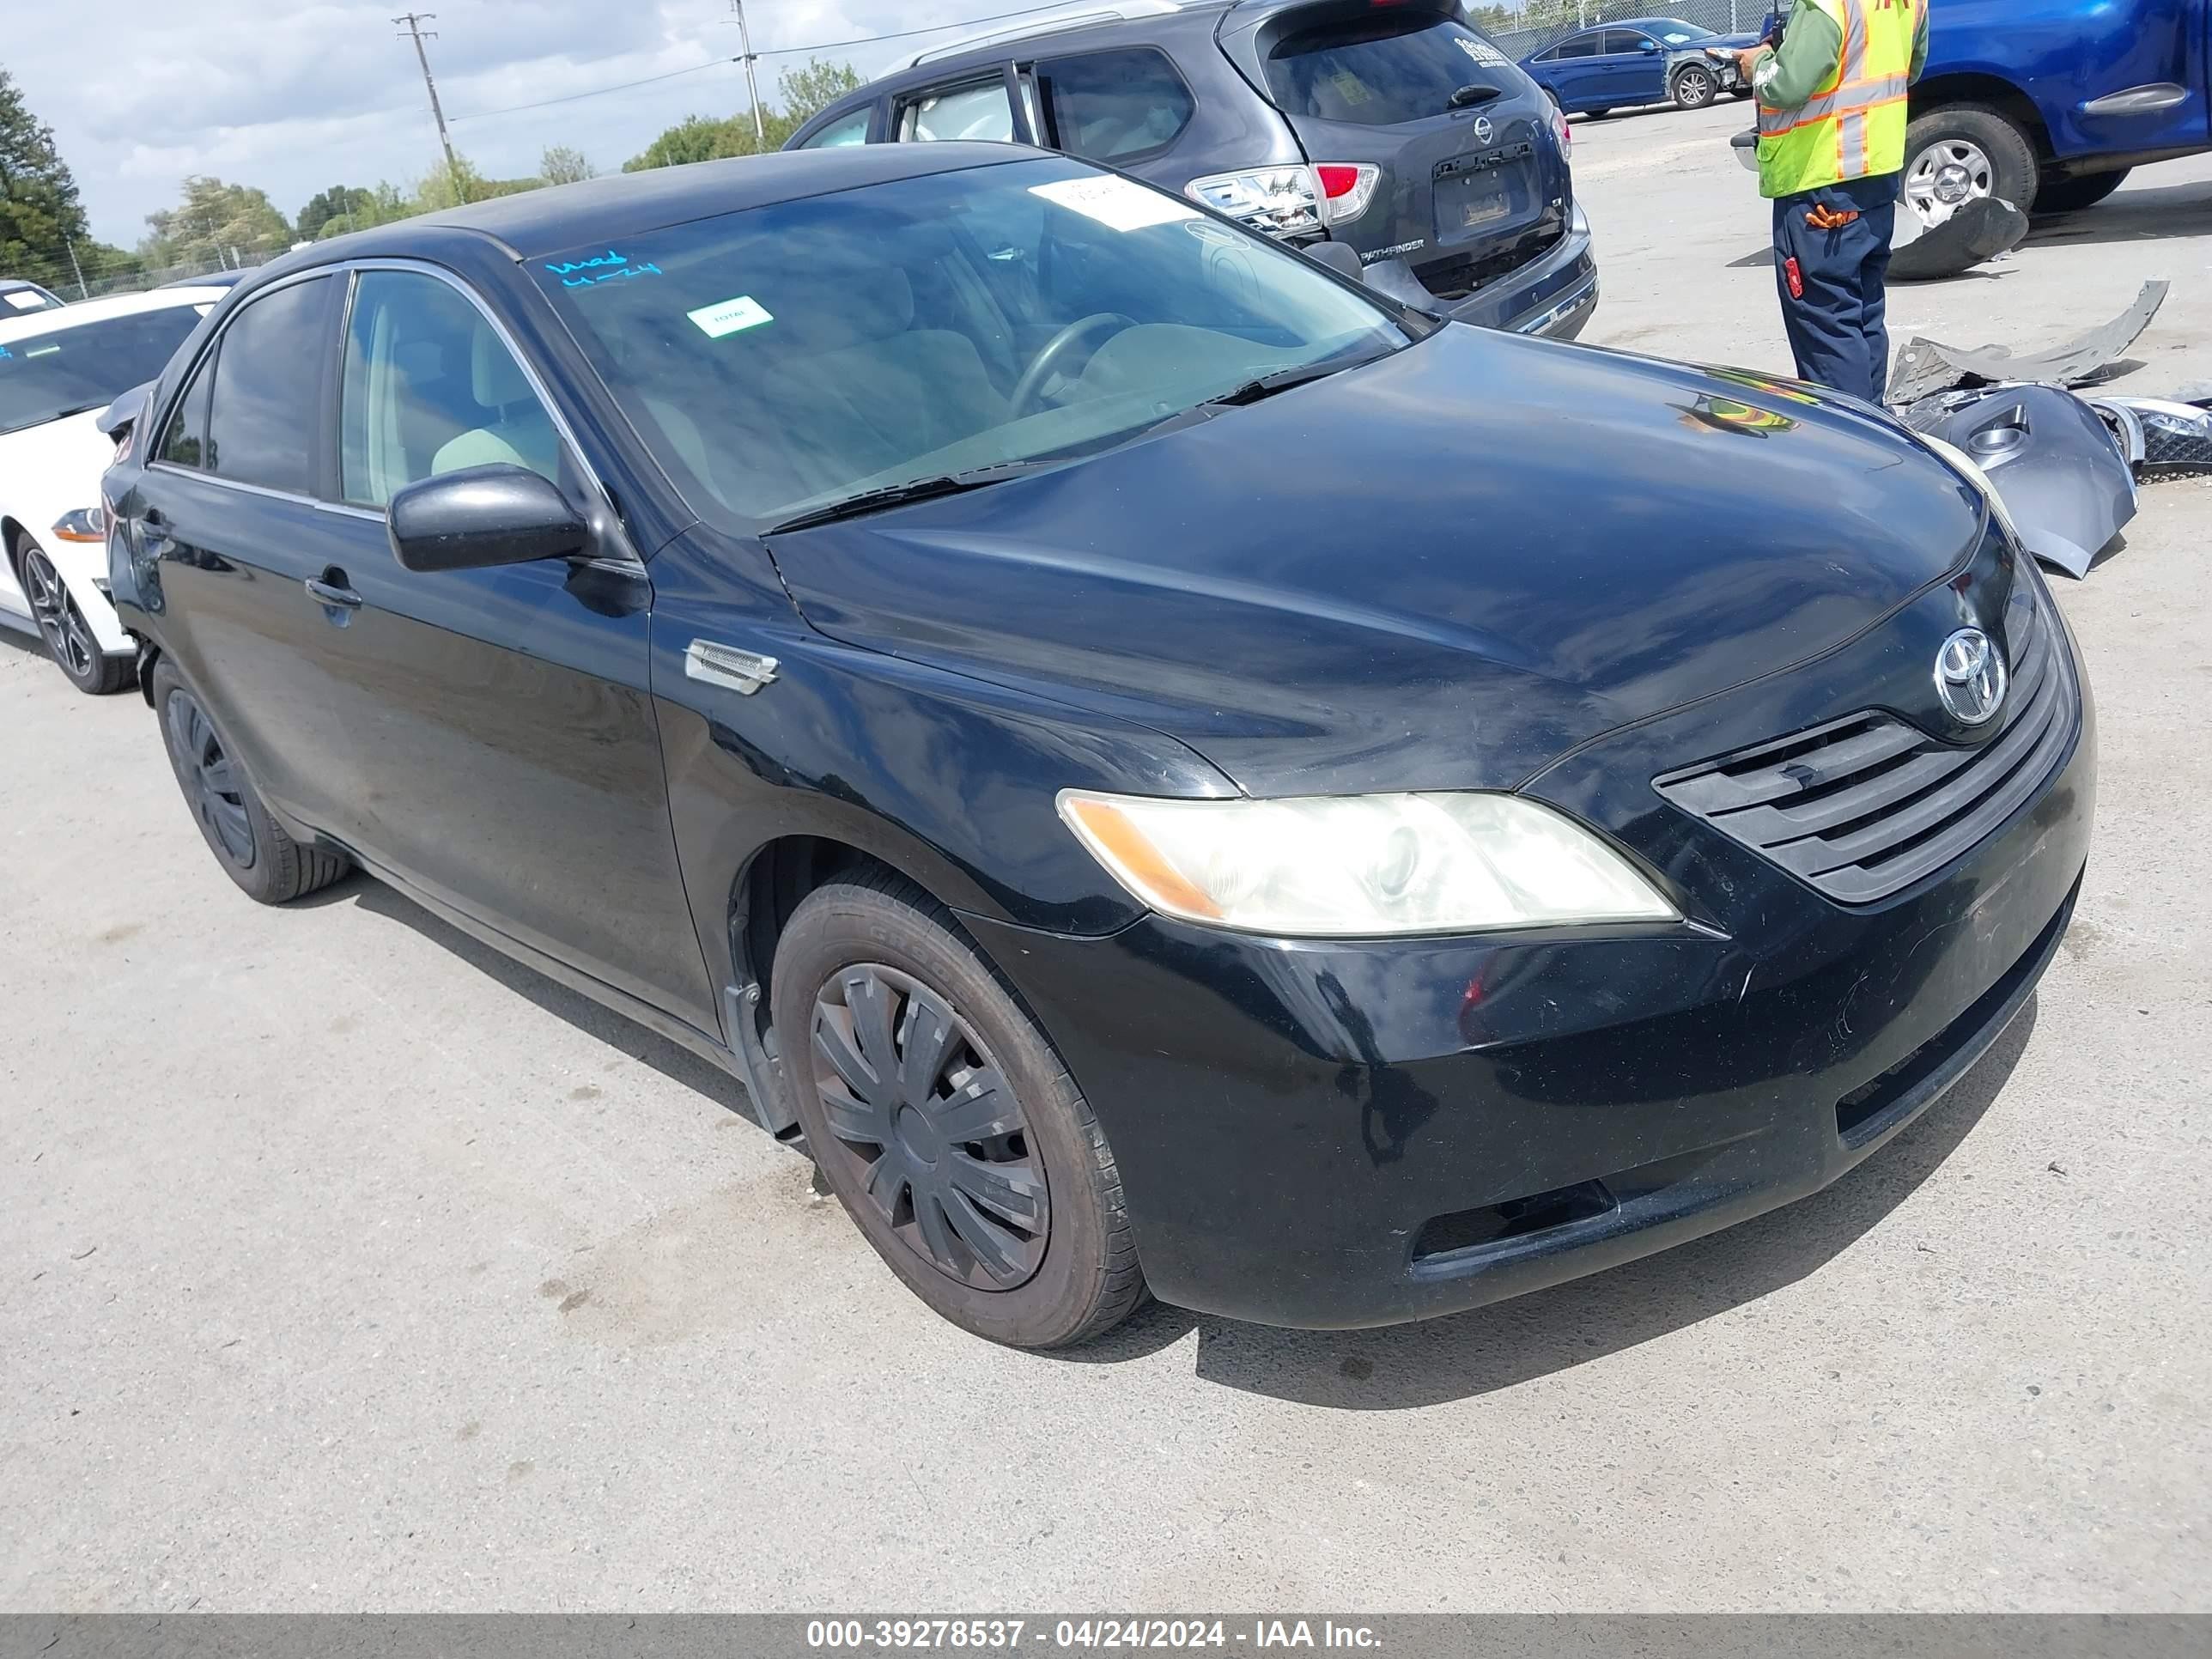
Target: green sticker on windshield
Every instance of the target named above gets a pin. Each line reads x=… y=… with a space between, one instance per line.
x=729 y=316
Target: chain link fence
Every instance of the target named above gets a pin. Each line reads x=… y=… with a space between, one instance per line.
x=1546 y=21
x=85 y=274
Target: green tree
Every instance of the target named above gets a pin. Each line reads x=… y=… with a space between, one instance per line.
x=215 y=221
x=560 y=165
x=340 y=202
x=807 y=92
x=40 y=213
x=380 y=204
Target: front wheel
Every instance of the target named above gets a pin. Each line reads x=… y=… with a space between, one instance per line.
x=69 y=638
x=1965 y=153
x=944 y=1122
x=1695 y=87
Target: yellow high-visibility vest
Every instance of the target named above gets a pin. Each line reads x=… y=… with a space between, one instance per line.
x=1854 y=126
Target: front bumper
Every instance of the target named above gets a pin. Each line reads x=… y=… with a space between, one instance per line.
x=1343 y=1134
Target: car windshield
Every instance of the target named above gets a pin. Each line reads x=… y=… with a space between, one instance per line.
x=1378 y=71
x=64 y=371
x=1676 y=33
x=790 y=357
x=21 y=297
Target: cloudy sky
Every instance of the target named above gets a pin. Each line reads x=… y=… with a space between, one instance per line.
x=293 y=98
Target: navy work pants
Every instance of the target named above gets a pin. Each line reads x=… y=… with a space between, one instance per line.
x=1834 y=302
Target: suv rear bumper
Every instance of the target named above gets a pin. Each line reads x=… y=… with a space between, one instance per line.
x=1553 y=296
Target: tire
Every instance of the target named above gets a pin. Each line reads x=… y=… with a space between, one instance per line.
x=1739 y=93
x=254 y=852
x=62 y=627
x=1597 y=114
x=1966 y=147
x=2060 y=193
x=1695 y=87
x=869 y=968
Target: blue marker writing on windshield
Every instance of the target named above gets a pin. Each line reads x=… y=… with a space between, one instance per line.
x=609 y=257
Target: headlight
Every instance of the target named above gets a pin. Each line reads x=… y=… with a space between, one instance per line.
x=86 y=524
x=1355 y=866
x=1971 y=471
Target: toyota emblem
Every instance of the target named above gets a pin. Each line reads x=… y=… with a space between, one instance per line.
x=1970 y=676
x=1483 y=131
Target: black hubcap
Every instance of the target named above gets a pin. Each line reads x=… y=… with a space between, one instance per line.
x=928 y=1125
x=60 y=623
x=211 y=782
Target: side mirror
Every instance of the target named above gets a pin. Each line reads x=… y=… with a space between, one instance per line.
x=119 y=417
x=1339 y=257
x=483 y=516
x=1648 y=47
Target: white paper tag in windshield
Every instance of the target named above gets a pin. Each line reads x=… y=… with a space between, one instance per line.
x=1117 y=203
x=23 y=300
x=729 y=316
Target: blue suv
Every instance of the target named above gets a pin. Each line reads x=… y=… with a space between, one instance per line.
x=1397 y=130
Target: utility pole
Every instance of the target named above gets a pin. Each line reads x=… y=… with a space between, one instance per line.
x=752 y=81
x=415 y=20
x=82 y=292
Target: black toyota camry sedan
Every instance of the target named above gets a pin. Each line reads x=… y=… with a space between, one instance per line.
x=1159 y=768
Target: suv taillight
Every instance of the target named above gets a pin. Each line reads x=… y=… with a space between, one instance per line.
x=1281 y=201
x=1563 y=132
x=1346 y=188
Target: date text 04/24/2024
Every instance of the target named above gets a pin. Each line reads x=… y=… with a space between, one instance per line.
x=1084 y=1635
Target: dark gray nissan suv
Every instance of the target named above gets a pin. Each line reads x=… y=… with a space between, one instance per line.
x=1388 y=125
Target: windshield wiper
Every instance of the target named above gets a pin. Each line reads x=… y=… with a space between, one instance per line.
x=914 y=489
x=1468 y=97
x=1282 y=380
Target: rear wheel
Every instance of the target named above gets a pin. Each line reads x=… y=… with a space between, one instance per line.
x=1695 y=86
x=1963 y=154
x=1597 y=114
x=2061 y=194
x=944 y=1122
x=254 y=851
x=69 y=638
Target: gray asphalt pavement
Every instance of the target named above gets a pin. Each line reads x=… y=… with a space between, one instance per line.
x=345 y=1265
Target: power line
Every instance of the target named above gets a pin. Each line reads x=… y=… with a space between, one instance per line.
x=772 y=52
x=595 y=92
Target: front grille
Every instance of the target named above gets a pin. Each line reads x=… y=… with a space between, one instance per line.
x=1465 y=274
x=1862 y=807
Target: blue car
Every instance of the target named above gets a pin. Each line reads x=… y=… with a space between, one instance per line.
x=1640 y=60
x=2050 y=104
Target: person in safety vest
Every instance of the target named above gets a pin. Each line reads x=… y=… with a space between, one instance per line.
x=1832 y=118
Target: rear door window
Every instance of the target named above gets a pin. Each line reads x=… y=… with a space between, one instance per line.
x=262 y=429
x=979 y=110
x=1621 y=42
x=1112 y=106
x=853 y=129
x=1376 y=71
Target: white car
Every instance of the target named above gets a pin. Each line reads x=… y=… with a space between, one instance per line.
x=59 y=369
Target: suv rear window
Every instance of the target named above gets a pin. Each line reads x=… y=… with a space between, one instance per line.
x=1377 y=72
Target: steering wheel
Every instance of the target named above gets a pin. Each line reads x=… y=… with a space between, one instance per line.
x=1040 y=366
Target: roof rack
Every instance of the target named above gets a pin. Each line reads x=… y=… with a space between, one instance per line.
x=1043 y=23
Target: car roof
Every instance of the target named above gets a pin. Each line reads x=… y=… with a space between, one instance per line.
x=103 y=310
x=564 y=216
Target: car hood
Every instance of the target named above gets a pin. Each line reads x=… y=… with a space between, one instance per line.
x=1439 y=571
x=50 y=470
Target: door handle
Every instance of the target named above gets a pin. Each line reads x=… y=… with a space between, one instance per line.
x=154 y=538
x=333 y=593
